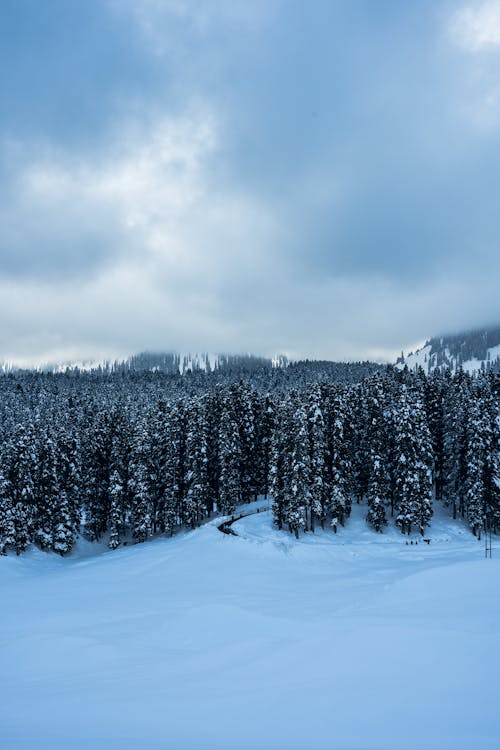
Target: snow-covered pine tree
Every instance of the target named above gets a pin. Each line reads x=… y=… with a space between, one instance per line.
x=116 y=512
x=298 y=492
x=266 y=425
x=481 y=496
x=55 y=525
x=413 y=463
x=279 y=467
x=456 y=396
x=433 y=388
x=243 y=410
x=141 y=519
x=7 y=526
x=339 y=506
x=360 y=449
x=69 y=473
x=230 y=460
x=317 y=457
x=98 y=462
x=175 y=466
x=488 y=392
x=46 y=492
x=378 y=490
x=18 y=464
x=198 y=490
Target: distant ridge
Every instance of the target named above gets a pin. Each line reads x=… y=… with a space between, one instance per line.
x=166 y=362
x=470 y=351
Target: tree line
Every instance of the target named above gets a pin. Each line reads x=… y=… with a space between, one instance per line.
x=124 y=458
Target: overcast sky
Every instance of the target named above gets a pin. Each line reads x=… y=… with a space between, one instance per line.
x=319 y=178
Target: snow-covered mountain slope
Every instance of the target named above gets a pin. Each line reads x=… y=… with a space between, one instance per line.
x=346 y=641
x=472 y=351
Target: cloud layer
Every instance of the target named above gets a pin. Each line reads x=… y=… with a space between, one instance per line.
x=317 y=181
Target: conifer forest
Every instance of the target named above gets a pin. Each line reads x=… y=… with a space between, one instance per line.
x=123 y=456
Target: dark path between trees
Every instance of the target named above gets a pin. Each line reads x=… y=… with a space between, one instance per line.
x=225 y=527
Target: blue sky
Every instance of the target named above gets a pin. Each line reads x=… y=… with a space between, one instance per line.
x=317 y=178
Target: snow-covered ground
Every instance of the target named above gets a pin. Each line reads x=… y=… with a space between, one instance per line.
x=208 y=641
x=423 y=358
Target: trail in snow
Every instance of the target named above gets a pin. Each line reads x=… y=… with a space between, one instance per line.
x=226 y=526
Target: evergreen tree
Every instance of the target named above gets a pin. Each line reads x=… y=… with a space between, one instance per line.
x=198 y=494
x=141 y=517
x=7 y=525
x=279 y=471
x=116 y=515
x=229 y=457
x=317 y=457
x=413 y=467
x=298 y=492
x=378 y=488
x=340 y=465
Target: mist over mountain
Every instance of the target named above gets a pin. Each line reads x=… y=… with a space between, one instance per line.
x=471 y=351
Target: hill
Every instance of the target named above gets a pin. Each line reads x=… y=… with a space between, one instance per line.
x=470 y=351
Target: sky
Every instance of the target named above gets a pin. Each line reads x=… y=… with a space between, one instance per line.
x=319 y=179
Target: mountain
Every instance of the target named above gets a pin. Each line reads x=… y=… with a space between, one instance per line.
x=471 y=351
x=166 y=362
x=173 y=362
x=276 y=373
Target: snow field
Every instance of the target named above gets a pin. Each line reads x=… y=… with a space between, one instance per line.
x=350 y=641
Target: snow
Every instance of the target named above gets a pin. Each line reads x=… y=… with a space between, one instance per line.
x=347 y=641
x=198 y=361
x=423 y=358
x=419 y=358
x=493 y=352
x=473 y=365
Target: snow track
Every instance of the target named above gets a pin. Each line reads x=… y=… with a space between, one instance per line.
x=226 y=526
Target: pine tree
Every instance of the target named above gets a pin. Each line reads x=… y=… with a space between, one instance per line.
x=46 y=493
x=317 y=457
x=116 y=490
x=69 y=473
x=299 y=498
x=340 y=466
x=455 y=405
x=414 y=461
x=229 y=457
x=99 y=446
x=361 y=441
x=141 y=517
x=279 y=469
x=19 y=461
x=378 y=489
x=198 y=495
x=7 y=526
x=175 y=467
x=244 y=415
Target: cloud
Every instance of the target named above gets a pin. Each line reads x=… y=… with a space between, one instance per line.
x=151 y=243
x=164 y=23
x=135 y=246
x=476 y=27
x=276 y=178
x=201 y=16
x=68 y=215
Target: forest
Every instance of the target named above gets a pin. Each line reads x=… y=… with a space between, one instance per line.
x=121 y=456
